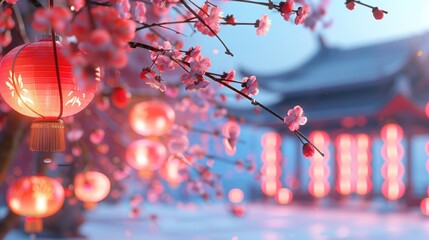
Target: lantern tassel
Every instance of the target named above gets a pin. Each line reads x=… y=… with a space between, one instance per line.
x=33 y=225
x=47 y=135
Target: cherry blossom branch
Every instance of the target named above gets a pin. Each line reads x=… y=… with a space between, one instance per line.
x=256 y=103
x=214 y=133
x=190 y=20
x=270 y=4
x=227 y=51
x=364 y=4
x=21 y=24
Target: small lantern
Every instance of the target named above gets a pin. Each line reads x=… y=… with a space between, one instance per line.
x=35 y=197
x=91 y=187
x=145 y=154
x=151 y=118
x=34 y=85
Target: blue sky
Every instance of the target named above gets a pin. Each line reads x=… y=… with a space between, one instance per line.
x=288 y=45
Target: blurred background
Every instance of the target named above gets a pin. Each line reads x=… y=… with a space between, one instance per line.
x=363 y=85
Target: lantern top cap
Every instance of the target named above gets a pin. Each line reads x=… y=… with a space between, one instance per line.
x=44 y=37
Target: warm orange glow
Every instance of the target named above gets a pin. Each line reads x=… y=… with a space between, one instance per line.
x=145 y=154
x=319 y=170
x=271 y=158
x=270 y=187
x=235 y=195
x=392 y=170
x=393 y=190
x=91 y=187
x=284 y=196
x=319 y=188
x=33 y=84
x=227 y=128
x=35 y=196
x=271 y=140
x=392 y=133
x=171 y=170
x=151 y=118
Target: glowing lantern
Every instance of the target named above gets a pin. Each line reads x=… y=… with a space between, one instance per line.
x=424 y=206
x=173 y=169
x=284 y=196
x=235 y=195
x=35 y=197
x=151 y=118
x=145 y=154
x=31 y=85
x=91 y=187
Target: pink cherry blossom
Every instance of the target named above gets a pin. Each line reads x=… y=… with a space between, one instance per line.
x=198 y=85
x=178 y=144
x=74 y=134
x=295 y=118
x=220 y=112
x=192 y=54
x=250 y=86
x=123 y=7
x=350 y=5
x=211 y=18
x=201 y=64
x=302 y=14
x=6 y=20
x=197 y=151
x=58 y=17
x=233 y=137
x=378 y=13
x=165 y=60
x=139 y=12
x=286 y=9
x=230 y=19
x=118 y=32
x=96 y=136
x=263 y=25
x=178 y=131
x=136 y=200
x=153 y=80
x=5 y=38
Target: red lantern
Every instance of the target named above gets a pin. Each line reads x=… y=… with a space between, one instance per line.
x=146 y=154
x=151 y=118
x=173 y=170
x=91 y=187
x=35 y=197
x=30 y=85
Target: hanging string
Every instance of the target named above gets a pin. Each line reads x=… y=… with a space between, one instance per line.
x=57 y=70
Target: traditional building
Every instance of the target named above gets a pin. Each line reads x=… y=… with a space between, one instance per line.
x=366 y=109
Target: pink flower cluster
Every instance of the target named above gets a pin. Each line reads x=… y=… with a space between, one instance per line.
x=295 y=118
x=250 y=86
x=57 y=17
x=6 y=24
x=199 y=65
x=286 y=10
x=150 y=78
x=165 y=60
x=263 y=25
x=212 y=18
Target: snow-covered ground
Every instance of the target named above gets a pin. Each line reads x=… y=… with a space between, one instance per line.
x=264 y=222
